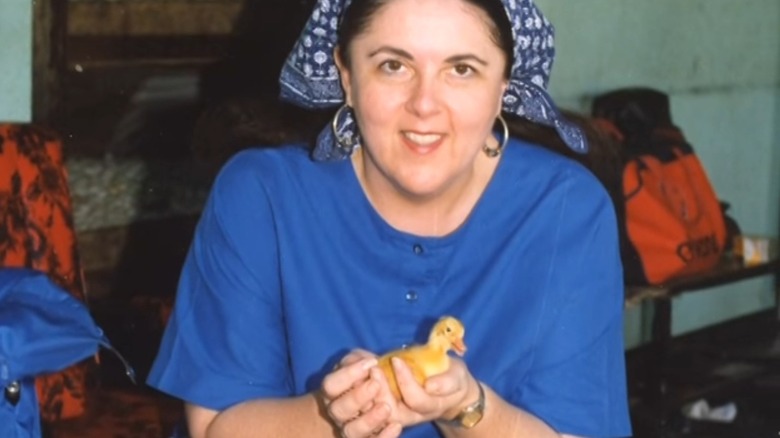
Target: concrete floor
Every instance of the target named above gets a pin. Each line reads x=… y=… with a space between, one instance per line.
x=734 y=362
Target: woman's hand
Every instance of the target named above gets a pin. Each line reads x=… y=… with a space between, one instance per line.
x=350 y=394
x=442 y=397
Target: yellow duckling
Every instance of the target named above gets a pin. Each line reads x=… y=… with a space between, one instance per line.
x=429 y=359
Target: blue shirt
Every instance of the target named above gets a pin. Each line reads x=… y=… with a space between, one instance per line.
x=291 y=267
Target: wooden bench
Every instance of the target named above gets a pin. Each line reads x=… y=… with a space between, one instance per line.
x=728 y=271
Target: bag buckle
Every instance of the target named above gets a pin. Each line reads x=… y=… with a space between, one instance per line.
x=13 y=392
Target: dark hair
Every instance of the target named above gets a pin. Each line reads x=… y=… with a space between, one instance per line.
x=604 y=159
x=359 y=13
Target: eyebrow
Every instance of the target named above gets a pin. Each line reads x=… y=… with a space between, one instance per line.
x=393 y=50
x=466 y=57
x=404 y=54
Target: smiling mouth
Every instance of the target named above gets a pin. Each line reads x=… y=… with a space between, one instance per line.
x=422 y=139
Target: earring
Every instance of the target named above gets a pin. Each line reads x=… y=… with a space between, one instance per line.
x=346 y=135
x=494 y=152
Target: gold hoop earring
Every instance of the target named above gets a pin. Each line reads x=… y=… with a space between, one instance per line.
x=494 y=152
x=345 y=136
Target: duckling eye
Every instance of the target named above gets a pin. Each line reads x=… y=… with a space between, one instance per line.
x=448 y=329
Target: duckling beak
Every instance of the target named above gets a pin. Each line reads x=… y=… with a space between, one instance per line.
x=459 y=347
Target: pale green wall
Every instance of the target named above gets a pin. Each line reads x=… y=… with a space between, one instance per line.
x=15 y=60
x=720 y=62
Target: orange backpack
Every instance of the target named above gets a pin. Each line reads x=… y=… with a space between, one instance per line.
x=672 y=221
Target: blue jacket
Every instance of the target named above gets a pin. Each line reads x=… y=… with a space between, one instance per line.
x=42 y=330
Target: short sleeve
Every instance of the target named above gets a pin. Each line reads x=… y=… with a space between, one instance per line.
x=577 y=380
x=224 y=342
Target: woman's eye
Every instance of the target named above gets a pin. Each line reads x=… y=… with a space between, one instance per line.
x=463 y=70
x=392 y=66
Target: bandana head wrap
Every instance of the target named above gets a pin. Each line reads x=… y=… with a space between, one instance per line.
x=310 y=78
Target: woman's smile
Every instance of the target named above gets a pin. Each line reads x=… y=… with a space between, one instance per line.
x=422 y=143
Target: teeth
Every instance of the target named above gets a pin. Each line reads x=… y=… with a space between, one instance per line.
x=422 y=139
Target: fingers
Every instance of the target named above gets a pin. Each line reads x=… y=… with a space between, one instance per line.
x=367 y=407
x=385 y=394
x=453 y=381
x=354 y=356
x=410 y=389
x=374 y=418
x=345 y=377
x=393 y=430
x=349 y=404
x=448 y=383
x=440 y=394
x=369 y=423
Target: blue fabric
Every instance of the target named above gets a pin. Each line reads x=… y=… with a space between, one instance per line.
x=286 y=274
x=42 y=330
x=310 y=78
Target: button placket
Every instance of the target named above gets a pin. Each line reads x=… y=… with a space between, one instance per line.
x=413 y=295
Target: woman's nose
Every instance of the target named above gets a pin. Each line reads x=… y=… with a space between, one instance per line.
x=423 y=98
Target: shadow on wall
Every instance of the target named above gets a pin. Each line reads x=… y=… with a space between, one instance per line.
x=239 y=93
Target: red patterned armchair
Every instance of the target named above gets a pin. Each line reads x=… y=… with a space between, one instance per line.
x=36 y=232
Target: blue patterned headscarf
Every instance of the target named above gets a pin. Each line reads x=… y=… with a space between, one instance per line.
x=310 y=78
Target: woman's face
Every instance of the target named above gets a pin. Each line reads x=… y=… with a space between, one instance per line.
x=426 y=81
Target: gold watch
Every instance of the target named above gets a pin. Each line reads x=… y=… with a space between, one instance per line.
x=471 y=414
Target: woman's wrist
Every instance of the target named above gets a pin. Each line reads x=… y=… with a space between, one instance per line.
x=472 y=394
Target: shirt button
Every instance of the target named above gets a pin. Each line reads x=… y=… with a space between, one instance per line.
x=418 y=249
x=411 y=296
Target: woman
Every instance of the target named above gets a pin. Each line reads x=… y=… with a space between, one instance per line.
x=302 y=269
